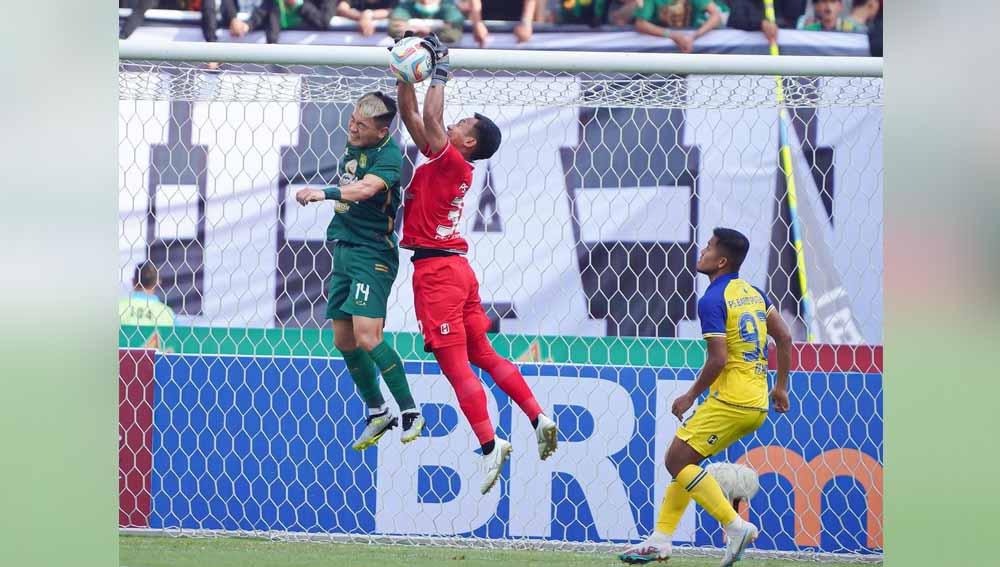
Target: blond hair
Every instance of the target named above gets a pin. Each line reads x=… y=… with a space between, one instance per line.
x=378 y=106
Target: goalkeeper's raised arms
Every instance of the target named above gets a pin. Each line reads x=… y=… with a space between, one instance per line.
x=434 y=127
x=427 y=128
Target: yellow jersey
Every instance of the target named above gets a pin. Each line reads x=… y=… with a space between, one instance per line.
x=737 y=311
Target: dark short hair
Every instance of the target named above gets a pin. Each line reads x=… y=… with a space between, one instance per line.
x=146 y=275
x=734 y=245
x=384 y=120
x=487 y=138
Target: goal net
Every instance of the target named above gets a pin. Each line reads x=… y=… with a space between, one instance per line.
x=237 y=416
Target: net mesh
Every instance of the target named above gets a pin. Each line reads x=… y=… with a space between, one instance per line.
x=237 y=414
x=273 y=83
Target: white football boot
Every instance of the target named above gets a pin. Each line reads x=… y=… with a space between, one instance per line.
x=739 y=534
x=548 y=436
x=493 y=463
x=375 y=428
x=657 y=547
x=413 y=424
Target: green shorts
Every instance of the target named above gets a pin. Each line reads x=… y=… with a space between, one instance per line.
x=361 y=281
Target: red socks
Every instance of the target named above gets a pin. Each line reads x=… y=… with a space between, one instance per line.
x=454 y=362
x=504 y=373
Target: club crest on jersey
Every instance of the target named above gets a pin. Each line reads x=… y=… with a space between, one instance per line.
x=445 y=328
x=363 y=161
x=350 y=172
x=341 y=207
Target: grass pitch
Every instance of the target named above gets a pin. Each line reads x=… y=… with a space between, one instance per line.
x=143 y=551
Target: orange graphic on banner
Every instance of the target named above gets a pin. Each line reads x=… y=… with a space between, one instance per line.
x=809 y=478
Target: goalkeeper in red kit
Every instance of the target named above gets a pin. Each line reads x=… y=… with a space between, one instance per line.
x=445 y=290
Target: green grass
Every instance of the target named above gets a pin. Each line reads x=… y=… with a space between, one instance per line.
x=140 y=551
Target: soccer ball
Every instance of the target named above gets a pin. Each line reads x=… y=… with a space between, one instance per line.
x=738 y=482
x=410 y=61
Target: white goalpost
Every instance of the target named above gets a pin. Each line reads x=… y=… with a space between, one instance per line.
x=584 y=229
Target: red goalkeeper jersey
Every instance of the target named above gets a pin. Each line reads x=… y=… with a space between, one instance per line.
x=433 y=202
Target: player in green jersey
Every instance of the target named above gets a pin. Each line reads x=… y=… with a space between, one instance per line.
x=365 y=262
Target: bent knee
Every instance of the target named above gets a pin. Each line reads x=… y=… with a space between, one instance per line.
x=345 y=344
x=368 y=339
x=679 y=456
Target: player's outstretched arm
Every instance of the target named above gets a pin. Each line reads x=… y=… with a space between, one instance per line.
x=778 y=330
x=409 y=113
x=364 y=188
x=360 y=190
x=715 y=361
x=437 y=138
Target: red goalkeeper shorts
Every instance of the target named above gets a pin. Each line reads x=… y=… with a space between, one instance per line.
x=446 y=299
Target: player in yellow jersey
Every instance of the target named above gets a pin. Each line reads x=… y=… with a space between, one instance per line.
x=736 y=319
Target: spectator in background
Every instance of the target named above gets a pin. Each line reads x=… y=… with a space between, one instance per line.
x=275 y=15
x=665 y=18
x=365 y=12
x=473 y=10
x=136 y=18
x=209 y=22
x=590 y=12
x=863 y=13
x=706 y=15
x=786 y=12
x=827 y=18
x=143 y=305
x=520 y=11
x=139 y=8
x=622 y=13
x=748 y=15
x=445 y=10
x=875 y=34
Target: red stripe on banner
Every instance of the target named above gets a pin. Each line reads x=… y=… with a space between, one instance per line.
x=806 y=357
x=135 y=436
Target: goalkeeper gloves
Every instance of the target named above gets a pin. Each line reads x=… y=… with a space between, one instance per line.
x=442 y=62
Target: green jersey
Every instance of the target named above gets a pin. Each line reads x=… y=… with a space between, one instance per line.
x=369 y=222
x=582 y=11
x=699 y=11
x=842 y=25
x=665 y=13
x=678 y=13
x=288 y=13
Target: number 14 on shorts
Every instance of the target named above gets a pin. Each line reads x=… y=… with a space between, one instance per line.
x=361 y=291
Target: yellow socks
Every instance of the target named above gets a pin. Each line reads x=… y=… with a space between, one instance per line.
x=706 y=492
x=675 y=502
